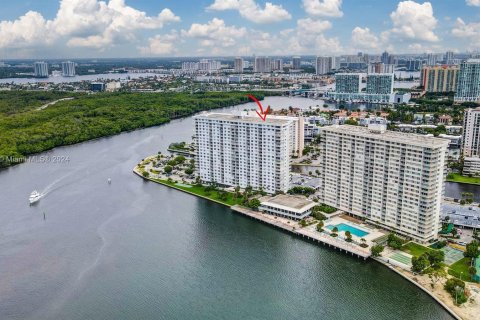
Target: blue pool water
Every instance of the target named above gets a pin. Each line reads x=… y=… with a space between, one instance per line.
x=347 y=227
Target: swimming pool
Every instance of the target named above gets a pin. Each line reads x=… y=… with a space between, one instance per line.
x=346 y=227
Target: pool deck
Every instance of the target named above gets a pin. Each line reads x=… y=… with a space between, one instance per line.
x=308 y=232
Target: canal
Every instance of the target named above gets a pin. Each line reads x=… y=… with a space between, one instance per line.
x=137 y=250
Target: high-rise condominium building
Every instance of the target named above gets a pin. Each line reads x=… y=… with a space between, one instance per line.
x=41 y=69
x=296 y=63
x=240 y=150
x=238 y=65
x=380 y=83
x=277 y=64
x=468 y=83
x=323 y=65
x=347 y=82
x=413 y=64
x=471 y=133
x=431 y=59
x=392 y=179
x=449 y=56
x=380 y=67
x=68 y=69
x=439 y=78
x=385 y=58
x=263 y=64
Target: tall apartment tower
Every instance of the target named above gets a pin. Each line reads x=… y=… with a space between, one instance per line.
x=68 y=69
x=468 y=84
x=385 y=58
x=471 y=133
x=277 y=64
x=392 y=179
x=439 y=78
x=431 y=59
x=347 y=82
x=449 y=56
x=323 y=65
x=262 y=65
x=380 y=83
x=241 y=150
x=41 y=69
x=238 y=65
x=296 y=63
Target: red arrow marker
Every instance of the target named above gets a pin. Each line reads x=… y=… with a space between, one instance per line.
x=261 y=114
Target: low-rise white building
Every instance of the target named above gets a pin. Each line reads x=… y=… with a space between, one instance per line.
x=471 y=166
x=288 y=206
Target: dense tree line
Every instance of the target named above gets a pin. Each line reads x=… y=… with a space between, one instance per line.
x=25 y=130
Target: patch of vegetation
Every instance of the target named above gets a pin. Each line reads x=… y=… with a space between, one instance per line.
x=25 y=131
x=415 y=249
x=457 y=177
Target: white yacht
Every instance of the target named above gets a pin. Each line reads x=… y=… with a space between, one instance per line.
x=34 y=197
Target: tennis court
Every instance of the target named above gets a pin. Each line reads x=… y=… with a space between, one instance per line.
x=452 y=255
x=402 y=258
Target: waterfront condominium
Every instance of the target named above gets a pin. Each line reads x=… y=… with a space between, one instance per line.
x=392 y=179
x=348 y=82
x=68 y=69
x=41 y=69
x=468 y=83
x=323 y=65
x=439 y=78
x=238 y=65
x=242 y=150
x=471 y=133
x=262 y=65
x=380 y=83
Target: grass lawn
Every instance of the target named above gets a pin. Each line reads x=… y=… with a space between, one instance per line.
x=456 y=177
x=213 y=195
x=415 y=249
x=460 y=266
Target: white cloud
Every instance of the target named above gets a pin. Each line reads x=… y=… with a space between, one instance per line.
x=468 y=31
x=473 y=3
x=215 y=33
x=364 y=39
x=309 y=25
x=161 y=45
x=323 y=8
x=413 y=20
x=250 y=10
x=84 y=23
x=29 y=29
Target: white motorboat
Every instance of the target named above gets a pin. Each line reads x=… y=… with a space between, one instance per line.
x=34 y=197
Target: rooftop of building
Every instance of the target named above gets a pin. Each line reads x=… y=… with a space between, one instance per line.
x=243 y=118
x=288 y=202
x=387 y=135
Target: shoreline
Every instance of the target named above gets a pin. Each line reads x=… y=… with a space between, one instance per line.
x=293 y=231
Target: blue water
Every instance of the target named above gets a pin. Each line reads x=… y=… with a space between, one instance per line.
x=347 y=227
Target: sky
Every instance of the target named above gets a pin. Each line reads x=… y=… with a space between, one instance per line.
x=179 y=28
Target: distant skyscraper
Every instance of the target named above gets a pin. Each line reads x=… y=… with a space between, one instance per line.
x=323 y=65
x=471 y=133
x=41 y=69
x=238 y=65
x=296 y=63
x=380 y=83
x=68 y=69
x=263 y=64
x=439 y=78
x=449 y=56
x=380 y=67
x=413 y=64
x=385 y=57
x=347 y=82
x=431 y=59
x=277 y=64
x=468 y=84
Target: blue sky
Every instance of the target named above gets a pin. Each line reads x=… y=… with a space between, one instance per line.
x=138 y=28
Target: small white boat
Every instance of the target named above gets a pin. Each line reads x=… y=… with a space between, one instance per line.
x=34 y=197
x=109 y=181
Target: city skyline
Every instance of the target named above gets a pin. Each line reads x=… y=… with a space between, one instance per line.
x=125 y=28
